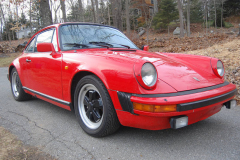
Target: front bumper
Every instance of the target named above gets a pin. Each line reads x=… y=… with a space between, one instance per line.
x=196 y=104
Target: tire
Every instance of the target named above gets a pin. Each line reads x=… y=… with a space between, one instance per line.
x=94 y=108
x=16 y=87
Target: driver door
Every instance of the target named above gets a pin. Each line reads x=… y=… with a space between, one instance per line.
x=45 y=69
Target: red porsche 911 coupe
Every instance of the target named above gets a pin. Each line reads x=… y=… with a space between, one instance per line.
x=97 y=72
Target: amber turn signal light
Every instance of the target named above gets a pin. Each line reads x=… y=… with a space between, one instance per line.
x=154 y=108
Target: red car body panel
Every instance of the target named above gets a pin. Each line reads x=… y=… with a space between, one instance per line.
x=53 y=75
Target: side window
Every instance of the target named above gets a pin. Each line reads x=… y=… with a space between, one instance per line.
x=45 y=36
x=54 y=41
x=31 y=46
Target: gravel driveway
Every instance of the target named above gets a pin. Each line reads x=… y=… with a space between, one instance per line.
x=57 y=132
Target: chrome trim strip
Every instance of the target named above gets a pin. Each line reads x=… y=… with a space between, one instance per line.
x=48 y=97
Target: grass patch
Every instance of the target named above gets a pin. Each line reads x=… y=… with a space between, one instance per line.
x=6 y=59
x=228 y=24
x=12 y=148
x=209 y=24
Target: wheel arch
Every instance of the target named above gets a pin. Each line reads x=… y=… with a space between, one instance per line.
x=10 y=71
x=76 y=78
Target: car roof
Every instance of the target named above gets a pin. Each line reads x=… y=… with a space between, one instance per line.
x=83 y=23
x=65 y=23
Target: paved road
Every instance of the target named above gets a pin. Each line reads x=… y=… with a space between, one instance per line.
x=57 y=132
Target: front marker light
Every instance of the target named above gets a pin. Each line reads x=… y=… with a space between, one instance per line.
x=149 y=74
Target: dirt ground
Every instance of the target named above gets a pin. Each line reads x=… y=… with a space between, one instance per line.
x=13 y=149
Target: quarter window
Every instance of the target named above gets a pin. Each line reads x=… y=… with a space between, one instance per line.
x=31 y=46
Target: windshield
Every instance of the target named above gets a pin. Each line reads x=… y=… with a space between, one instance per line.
x=77 y=36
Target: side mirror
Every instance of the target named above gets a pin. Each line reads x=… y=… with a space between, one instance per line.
x=145 y=48
x=46 y=47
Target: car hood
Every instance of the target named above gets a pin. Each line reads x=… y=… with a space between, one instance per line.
x=184 y=76
x=179 y=74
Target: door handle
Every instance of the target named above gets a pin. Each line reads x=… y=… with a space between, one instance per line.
x=28 y=60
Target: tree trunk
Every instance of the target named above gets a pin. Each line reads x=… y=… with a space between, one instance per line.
x=30 y=17
x=215 y=13
x=117 y=13
x=5 y=23
x=222 y=15
x=206 y=16
x=97 y=11
x=114 y=11
x=127 y=17
x=63 y=8
x=93 y=10
x=81 y=11
x=155 y=8
x=188 y=18
x=109 y=16
x=2 y=18
x=181 y=18
x=45 y=13
x=102 y=13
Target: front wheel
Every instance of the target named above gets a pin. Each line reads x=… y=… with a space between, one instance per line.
x=16 y=86
x=93 y=107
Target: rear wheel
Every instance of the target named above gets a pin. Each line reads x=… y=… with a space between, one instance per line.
x=16 y=86
x=93 y=107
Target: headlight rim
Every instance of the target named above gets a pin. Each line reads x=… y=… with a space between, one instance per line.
x=214 y=62
x=155 y=76
x=137 y=71
x=223 y=71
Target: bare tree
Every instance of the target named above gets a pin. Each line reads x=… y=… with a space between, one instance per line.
x=30 y=16
x=155 y=9
x=109 y=16
x=2 y=17
x=117 y=13
x=93 y=10
x=215 y=9
x=63 y=8
x=127 y=17
x=181 y=18
x=188 y=18
x=221 y=14
x=45 y=13
x=81 y=11
x=54 y=9
x=97 y=11
x=206 y=14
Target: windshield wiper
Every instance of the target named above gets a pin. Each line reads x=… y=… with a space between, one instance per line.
x=123 y=45
x=76 y=45
x=104 y=43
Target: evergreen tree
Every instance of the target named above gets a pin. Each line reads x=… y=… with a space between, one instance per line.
x=73 y=16
x=196 y=11
x=166 y=14
x=7 y=32
x=231 y=7
x=23 y=19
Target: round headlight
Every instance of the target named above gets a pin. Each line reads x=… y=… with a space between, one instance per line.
x=149 y=74
x=220 y=68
